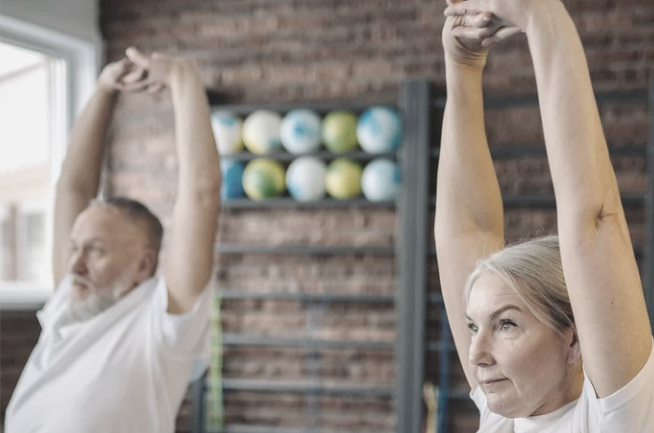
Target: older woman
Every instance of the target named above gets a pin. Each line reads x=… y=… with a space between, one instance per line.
x=553 y=334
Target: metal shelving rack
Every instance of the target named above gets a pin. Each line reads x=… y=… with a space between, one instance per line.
x=412 y=229
x=421 y=111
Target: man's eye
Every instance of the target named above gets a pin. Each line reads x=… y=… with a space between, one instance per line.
x=93 y=249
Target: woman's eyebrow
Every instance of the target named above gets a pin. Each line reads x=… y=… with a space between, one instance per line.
x=498 y=312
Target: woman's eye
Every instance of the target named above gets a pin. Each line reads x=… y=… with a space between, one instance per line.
x=472 y=327
x=507 y=325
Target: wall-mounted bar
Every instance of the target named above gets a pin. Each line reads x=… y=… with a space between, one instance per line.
x=303 y=250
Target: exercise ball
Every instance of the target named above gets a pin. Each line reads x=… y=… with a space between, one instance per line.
x=379 y=130
x=227 y=132
x=380 y=180
x=232 y=174
x=263 y=178
x=300 y=131
x=343 y=178
x=261 y=132
x=305 y=179
x=339 y=131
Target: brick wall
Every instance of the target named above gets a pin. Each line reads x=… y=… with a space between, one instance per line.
x=19 y=332
x=315 y=50
x=299 y=51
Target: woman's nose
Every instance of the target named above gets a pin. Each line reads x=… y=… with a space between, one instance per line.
x=480 y=350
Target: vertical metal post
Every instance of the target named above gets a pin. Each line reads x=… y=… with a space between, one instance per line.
x=198 y=402
x=444 y=376
x=649 y=210
x=411 y=254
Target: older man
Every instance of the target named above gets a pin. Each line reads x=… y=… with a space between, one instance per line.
x=119 y=344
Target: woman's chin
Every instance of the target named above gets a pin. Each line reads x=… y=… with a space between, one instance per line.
x=503 y=407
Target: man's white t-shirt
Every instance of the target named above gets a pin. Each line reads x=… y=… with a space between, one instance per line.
x=629 y=410
x=126 y=370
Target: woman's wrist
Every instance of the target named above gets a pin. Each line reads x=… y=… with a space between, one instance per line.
x=544 y=17
x=465 y=67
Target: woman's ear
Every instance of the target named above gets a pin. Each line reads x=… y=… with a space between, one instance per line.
x=574 y=349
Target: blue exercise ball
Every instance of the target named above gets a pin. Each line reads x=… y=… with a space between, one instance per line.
x=380 y=180
x=232 y=185
x=300 y=131
x=305 y=179
x=379 y=130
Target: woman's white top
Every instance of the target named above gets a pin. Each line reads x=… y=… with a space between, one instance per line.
x=628 y=410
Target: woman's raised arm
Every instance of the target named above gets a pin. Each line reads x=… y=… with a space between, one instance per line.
x=469 y=222
x=597 y=254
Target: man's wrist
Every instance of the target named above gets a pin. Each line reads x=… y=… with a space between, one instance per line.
x=103 y=89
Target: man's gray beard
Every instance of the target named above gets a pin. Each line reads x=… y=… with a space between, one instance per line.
x=95 y=303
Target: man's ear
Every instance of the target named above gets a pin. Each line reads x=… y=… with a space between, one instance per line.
x=147 y=264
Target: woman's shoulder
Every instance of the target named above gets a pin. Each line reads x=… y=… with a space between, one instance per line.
x=630 y=408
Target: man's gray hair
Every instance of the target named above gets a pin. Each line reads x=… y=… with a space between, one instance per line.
x=140 y=214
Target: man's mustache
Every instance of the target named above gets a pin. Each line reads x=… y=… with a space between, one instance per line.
x=82 y=281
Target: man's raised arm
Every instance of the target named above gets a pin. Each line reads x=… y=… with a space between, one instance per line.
x=189 y=255
x=80 y=172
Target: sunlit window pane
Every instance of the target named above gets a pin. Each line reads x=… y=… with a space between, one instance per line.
x=27 y=92
x=32 y=253
x=14 y=59
x=24 y=117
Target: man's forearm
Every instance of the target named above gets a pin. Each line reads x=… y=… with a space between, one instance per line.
x=82 y=166
x=196 y=149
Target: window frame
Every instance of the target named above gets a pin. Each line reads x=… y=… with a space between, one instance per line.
x=77 y=74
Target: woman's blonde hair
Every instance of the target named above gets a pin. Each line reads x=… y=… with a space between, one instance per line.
x=533 y=270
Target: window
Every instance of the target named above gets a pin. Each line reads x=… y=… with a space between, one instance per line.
x=29 y=95
x=45 y=76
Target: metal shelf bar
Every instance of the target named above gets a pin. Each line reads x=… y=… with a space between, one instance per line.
x=322 y=107
x=303 y=250
x=323 y=155
x=498 y=102
x=315 y=389
x=303 y=388
x=538 y=150
x=256 y=340
x=639 y=252
x=287 y=202
x=305 y=297
x=546 y=202
x=266 y=429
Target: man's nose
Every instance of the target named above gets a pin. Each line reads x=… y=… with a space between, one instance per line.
x=78 y=262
